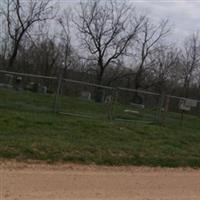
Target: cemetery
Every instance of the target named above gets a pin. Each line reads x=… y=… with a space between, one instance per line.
x=27 y=119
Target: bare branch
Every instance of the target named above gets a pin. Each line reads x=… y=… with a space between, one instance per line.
x=106 y=30
x=21 y=16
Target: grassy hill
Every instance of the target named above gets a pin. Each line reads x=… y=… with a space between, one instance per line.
x=29 y=130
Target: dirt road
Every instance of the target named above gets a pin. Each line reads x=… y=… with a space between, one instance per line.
x=74 y=182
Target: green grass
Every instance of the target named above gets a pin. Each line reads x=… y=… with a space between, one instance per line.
x=29 y=130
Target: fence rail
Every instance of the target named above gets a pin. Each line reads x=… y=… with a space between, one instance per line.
x=90 y=84
x=78 y=98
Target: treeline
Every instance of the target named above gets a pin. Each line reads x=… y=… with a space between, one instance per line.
x=104 y=42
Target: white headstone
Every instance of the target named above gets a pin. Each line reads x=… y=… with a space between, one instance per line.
x=187 y=104
x=86 y=95
x=108 y=99
x=191 y=103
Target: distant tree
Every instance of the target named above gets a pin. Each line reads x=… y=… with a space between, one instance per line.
x=165 y=68
x=65 y=45
x=149 y=38
x=190 y=59
x=4 y=41
x=20 y=17
x=106 y=30
x=4 y=46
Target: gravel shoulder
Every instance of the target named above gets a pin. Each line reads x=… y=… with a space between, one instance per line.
x=20 y=181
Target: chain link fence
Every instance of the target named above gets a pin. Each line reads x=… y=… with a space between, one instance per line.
x=38 y=93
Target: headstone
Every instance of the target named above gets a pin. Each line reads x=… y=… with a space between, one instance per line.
x=18 y=83
x=135 y=112
x=44 y=89
x=138 y=105
x=137 y=99
x=37 y=87
x=187 y=104
x=191 y=103
x=99 y=94
x=86 y=95
x=108 y=99
x=8 y=79
x=29 y=86
x=7 y=86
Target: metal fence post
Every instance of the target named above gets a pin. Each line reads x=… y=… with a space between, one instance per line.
x=115 y=100
x=55 y=103
x=111 y=103
x=160 y=108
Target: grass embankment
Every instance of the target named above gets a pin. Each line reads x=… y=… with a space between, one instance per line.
x=29 y=131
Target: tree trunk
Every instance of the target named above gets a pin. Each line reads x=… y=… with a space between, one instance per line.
x=14 y=52
x=98 y=93
x=186 y=88
x=12 y=59
x=136 y=98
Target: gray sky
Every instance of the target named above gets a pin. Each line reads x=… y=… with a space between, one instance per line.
x=184 y=15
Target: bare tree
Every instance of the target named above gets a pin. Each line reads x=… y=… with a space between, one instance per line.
x=190 y=60
x=44 y=55
x=20 y=17
x=106 y=29
x=4 y=42
x=4 y=46
x=65 y=39
x=149 y=38
x=165 y=67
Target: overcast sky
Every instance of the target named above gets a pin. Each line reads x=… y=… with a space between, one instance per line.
x=184 y=15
